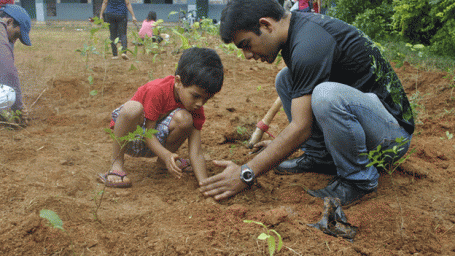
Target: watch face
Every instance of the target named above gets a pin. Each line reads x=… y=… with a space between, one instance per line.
x=247 y=176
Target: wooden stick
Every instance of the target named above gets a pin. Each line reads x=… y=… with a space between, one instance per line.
x=38 y=97
x=257 y=135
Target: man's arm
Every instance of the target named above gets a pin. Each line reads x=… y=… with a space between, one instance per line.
x=297 y=132
x=228 y=183
x=196 y=156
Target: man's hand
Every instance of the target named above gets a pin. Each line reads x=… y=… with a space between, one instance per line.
x=225 y=184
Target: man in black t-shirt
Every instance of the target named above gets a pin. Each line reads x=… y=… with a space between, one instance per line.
x=341 y=96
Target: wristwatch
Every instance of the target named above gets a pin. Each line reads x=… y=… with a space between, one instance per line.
x=247 y=175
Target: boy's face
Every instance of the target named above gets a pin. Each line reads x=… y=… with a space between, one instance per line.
x=192 y=97
x=264 y=46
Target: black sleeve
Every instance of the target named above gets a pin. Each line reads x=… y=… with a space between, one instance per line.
x=312 y=57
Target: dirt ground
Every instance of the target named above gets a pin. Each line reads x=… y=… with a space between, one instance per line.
x=52 y=164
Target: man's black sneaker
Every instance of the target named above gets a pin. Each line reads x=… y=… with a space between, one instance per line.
x=345 y=190
x=305 y=163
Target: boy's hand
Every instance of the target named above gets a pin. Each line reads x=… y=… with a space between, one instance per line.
x=171 y=165
x=225 y=184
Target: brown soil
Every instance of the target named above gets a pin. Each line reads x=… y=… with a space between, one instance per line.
x=52 y=164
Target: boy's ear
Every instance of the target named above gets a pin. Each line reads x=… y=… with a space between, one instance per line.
x=177 y=80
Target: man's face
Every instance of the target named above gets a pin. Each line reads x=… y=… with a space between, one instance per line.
x=14 y=32
x=264 y=47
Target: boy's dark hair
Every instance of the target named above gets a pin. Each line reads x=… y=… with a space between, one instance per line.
x=5 y=15
x=245 y=14
x=201 y=67
x=151 y=16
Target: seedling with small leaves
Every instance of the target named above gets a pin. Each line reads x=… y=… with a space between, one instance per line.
x=386 y=158
x=269 y=237
x=55 y=222
x=449 y=136
x=138 y=134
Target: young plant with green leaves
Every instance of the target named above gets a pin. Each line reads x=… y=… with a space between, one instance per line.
x=138 y=134
x=386 y=159
x=272 y=245
x=92 y=49
x=12 y=118
x=449 y=136
x=55 y=222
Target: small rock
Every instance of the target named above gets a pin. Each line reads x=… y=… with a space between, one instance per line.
x=122 y=193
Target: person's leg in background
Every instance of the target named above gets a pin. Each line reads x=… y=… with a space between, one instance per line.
x=113 y=30
x=122 y=30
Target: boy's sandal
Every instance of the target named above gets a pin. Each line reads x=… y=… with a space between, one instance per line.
x=121 y=174
x=185 y=165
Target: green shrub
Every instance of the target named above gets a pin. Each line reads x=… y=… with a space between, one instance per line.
x=413 y=19
x=443 y=42
x=376 y=22
x=347 y=10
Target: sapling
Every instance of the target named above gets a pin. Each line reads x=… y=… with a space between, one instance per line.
x=138 y=134
x=270 y=238
x=91 y=49
x=386 y=159
x=55 y=222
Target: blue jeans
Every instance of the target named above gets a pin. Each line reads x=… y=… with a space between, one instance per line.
x=348 y=123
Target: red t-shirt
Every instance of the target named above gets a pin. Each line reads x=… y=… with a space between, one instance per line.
x=157 y=97
x=2 y=2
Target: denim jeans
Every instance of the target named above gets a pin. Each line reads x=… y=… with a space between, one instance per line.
x=350 y=123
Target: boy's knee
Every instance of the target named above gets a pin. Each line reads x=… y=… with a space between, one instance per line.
x=183 y=119
x=132 y=109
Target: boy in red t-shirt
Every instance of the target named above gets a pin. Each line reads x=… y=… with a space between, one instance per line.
x=174 y=107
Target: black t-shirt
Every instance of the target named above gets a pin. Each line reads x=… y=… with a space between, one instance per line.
x=324 y=49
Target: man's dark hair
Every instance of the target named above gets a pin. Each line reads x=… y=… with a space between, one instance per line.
x=5 y=15
x=201 y=67
x=245 y=14
x=151 y=16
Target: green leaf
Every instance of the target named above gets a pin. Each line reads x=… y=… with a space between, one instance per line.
x=271 y=242
x=52 y=217
x=280 y=240
x=93 y=93
x=132 y=67
x=263 y=236
x=255 y=222
x=90 y=79
x=172 y=13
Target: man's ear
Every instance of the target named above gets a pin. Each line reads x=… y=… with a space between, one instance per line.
x=8 y=21
x=267 y=23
